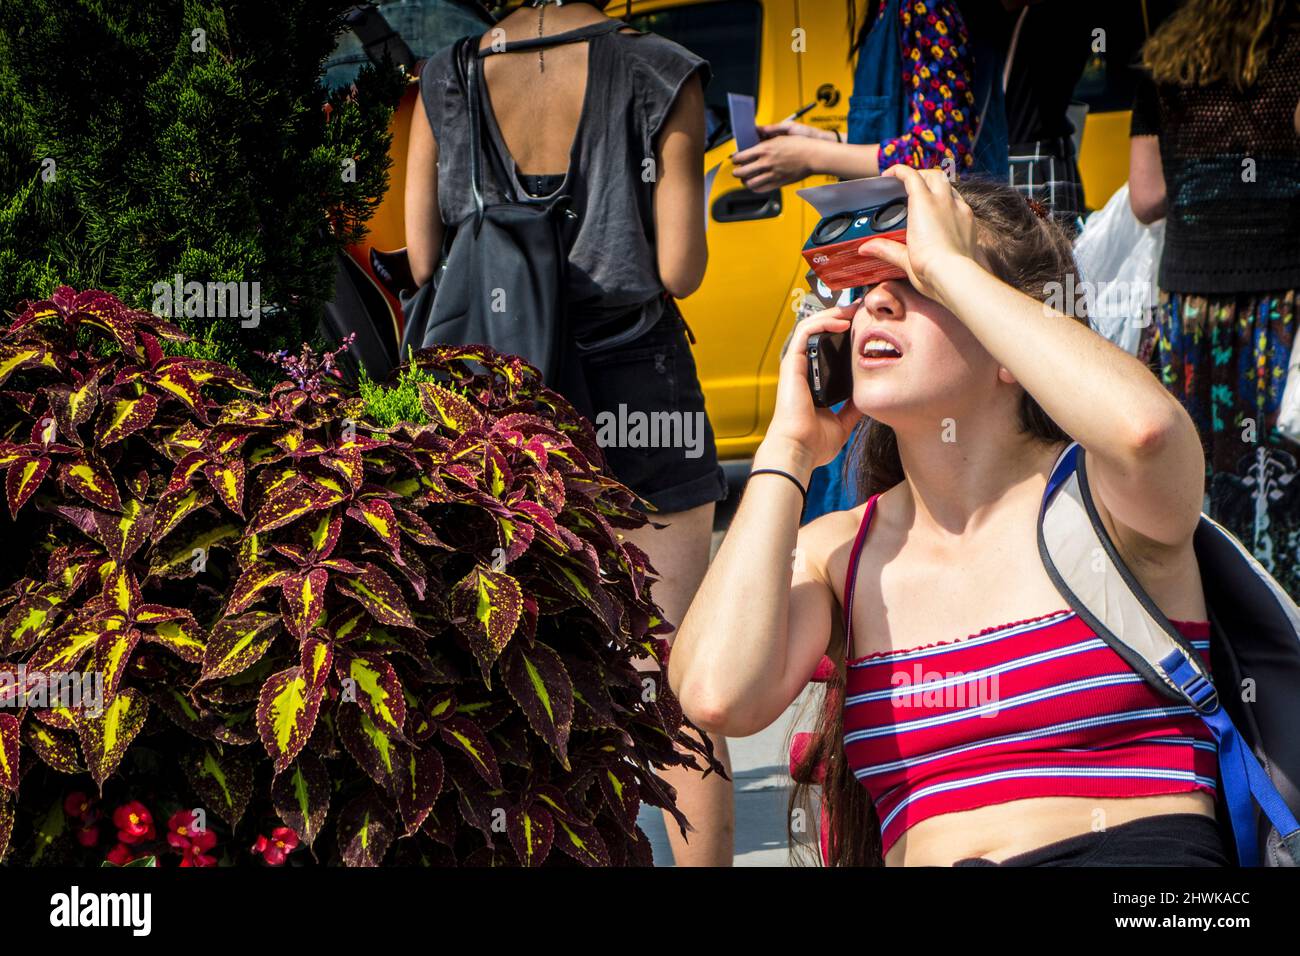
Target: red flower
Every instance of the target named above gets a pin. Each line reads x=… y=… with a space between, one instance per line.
x=195 y=851
x=134 y=823
x=276 y=850
x=88 y=836
x=180 y=829
x=77 y=805
x=120 y=855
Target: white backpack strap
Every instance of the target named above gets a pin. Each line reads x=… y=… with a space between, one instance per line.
x=1089 y=573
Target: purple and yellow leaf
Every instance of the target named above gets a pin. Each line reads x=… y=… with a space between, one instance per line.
x=379 y=595
x=379 y=517
x=286 y=715
x=468 y=738
x=227 y=479
x=56 y=748
x=222 y=781
x=237 y=643
x=93 y=481
x=125 y=416
x=317 y=656
x=537 y=680
x=485 y=606
x=174 y=506
x=365 y=831
x=378 y=690
x=252 y=583
x=301 y=796
x=112 y=654
x=455 y=411
x=419 y=786
x=304 y=592
x=105 y=737
x=183 y=637
x=23 y=478
x=531 y=831
x=10 y=744
x=288 y=506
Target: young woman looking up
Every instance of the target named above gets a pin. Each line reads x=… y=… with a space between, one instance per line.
x=972 y=385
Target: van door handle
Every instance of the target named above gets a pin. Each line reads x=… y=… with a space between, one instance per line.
x=741 y=205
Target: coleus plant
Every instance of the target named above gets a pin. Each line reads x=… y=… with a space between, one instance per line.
x=417 y=639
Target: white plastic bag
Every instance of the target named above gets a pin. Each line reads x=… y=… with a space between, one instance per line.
x=1118 y=261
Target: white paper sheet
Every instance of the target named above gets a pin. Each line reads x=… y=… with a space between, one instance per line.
x=853 y=194
x=742 y=120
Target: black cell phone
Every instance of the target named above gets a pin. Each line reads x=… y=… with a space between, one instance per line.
x=830 y=367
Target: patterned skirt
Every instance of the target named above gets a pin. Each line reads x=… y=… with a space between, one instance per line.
x=1226 y=358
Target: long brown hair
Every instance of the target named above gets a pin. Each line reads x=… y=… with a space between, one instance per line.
x=858 y=30
x=1031 y=253
x=1205 y=41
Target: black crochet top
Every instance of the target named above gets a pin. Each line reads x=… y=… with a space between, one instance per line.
x=1232 y=177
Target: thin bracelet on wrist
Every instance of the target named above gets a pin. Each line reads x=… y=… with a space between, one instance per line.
x=803 y=492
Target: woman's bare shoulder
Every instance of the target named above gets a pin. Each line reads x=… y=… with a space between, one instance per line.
x=825 y=542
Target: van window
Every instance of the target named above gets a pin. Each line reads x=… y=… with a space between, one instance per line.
x=728 y=35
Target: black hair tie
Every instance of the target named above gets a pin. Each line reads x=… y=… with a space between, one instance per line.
x=803 y=493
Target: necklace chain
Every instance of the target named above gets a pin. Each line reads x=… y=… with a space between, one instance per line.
x=541 y=16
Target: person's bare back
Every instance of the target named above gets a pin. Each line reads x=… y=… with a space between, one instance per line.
x=530 y=84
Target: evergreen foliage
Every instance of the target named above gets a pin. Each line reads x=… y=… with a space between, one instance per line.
x=141 y=139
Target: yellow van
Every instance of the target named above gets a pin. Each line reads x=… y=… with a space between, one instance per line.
x=743 y=312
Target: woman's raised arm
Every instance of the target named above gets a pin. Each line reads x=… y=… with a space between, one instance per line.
x=761 y=619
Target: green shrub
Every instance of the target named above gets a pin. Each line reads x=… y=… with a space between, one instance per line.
x=391 y=405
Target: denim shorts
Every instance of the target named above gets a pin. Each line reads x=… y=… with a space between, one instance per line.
x=1166 y=839
x=648 y=412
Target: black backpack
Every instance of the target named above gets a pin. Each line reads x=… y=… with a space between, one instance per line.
x=504 y=281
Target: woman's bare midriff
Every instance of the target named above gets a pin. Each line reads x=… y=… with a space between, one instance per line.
x=1007 y=829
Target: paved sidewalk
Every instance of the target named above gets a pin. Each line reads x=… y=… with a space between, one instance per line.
x=760 y=772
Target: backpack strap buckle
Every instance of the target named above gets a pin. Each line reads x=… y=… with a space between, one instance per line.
x=1198 y=689
x=1202 y=694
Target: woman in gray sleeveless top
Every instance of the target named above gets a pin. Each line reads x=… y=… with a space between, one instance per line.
x=614 y=119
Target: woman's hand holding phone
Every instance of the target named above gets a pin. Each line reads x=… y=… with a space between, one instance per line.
x=802 y=436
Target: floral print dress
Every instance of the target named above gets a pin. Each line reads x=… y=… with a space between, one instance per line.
x=937 y=72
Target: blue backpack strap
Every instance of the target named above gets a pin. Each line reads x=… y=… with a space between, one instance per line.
x=1243 y=777
x=1065 y=465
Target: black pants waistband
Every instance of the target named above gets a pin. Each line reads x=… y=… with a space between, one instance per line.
x=1166 y=839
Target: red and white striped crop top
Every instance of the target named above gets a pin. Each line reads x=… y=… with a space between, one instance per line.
x=1036 y=708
